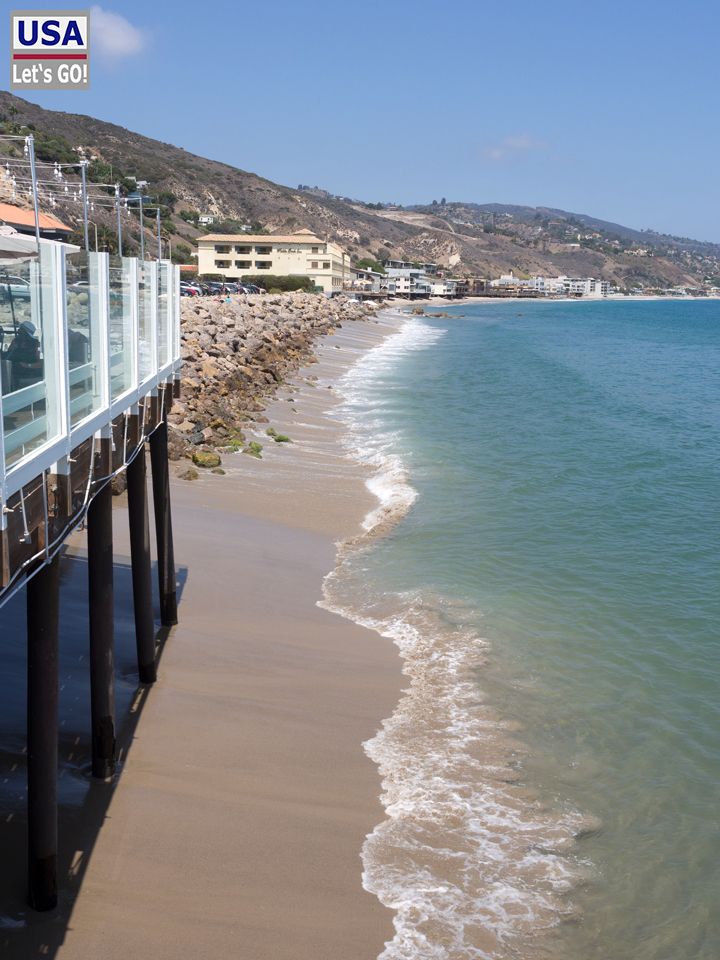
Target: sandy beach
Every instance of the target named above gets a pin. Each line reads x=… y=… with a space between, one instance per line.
x=236 y=823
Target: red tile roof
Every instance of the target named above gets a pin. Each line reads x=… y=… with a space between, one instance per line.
x=17 y=217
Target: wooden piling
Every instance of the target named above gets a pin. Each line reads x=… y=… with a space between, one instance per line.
x=163 y=523
x=141 y=567
x=43 y=594
x=102 y=656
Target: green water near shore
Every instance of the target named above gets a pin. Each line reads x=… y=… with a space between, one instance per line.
x=565 y=459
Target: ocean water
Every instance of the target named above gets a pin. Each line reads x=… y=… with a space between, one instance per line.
x=545 y=554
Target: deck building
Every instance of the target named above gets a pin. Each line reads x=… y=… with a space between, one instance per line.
x=89 y=363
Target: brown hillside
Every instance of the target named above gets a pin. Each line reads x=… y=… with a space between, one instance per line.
x=455 y=235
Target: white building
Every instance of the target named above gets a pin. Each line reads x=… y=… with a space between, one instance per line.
x=548 y=286
x=586 y=287
x=443 y=288
x=369 y=281
x=570 y=287
x=509 y=280
x=426 y=268
x=409 y=286
x=405 y=281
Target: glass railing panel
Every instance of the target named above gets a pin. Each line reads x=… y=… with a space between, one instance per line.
x=164 y=313
x=28 y=354
x=84 y=335
x=121 y=326
x=147 y=292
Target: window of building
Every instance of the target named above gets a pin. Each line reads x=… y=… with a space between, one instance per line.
x=263 y=264
x=222 y=249
x=222 y=264
x=263 y=249
x=315 y=250
x=243 y=264
x=313 y=265
x=243 y=249
x=326 y=265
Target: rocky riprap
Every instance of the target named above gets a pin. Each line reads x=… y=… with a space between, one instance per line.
x=236 y=353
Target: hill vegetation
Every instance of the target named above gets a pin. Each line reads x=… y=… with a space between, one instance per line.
x=465 y=238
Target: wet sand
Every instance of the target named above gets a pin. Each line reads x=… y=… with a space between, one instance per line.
x=236 y=824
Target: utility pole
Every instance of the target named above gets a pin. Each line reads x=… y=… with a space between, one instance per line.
x=119 y=218
x=33 y=174
x=83 y=174
x=142 y=230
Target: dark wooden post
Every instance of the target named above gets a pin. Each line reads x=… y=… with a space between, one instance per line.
x=163 y=523
x=102 y=658
x=43 y=596
x=141 y=568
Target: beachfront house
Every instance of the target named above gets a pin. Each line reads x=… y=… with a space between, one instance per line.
x=585 y=287
x=234 y=256
x=407 y=282
x=368 y=281
x=549 y=286
x=443 y=288
x=426 y=268
x=561 y=286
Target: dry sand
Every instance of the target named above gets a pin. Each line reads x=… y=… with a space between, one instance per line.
x=236 y=825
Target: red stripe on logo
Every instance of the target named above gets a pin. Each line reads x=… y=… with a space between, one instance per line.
x=50 y=56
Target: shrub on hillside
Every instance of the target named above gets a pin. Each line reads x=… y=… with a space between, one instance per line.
x=369 y=264
x=181 y=253
x=227 y=226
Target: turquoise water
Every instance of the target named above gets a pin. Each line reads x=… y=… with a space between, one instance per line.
x=554 y=586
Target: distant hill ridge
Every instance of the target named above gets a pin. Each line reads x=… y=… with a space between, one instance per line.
x=466 y=238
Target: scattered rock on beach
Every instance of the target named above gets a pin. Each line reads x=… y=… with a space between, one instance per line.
x=254 y=449
x=190 y=473
x=205 y=458
x=277 y=437
x=236 y=354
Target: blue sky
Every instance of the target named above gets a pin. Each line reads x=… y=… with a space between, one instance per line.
x=608 y=109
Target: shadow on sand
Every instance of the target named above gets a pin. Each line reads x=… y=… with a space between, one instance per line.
x=83 y=802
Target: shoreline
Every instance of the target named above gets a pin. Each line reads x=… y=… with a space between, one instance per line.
x=447 y=758
x=611 y=298
x=236 y=824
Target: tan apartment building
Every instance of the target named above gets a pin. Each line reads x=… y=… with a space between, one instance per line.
x=234 y=256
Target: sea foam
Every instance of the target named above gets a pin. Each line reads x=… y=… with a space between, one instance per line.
x=469 y=862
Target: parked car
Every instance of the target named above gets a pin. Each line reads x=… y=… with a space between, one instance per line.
x=189 y=289
x=252 y=288
x=16 y=287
